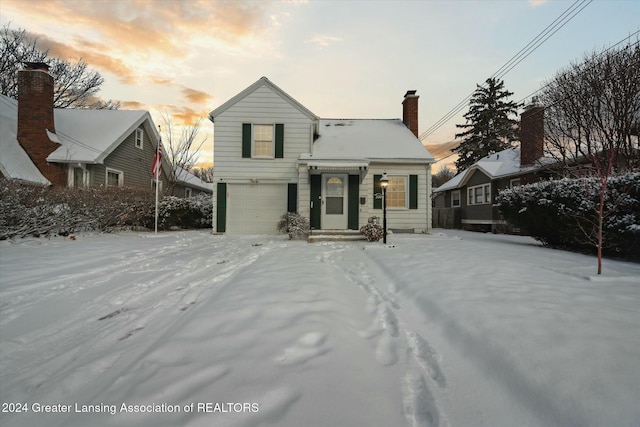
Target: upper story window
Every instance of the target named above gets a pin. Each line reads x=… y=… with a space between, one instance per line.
x=262 y=141
x=139 y=138
x=455 y=199
x=479 y=194
x=397 y=192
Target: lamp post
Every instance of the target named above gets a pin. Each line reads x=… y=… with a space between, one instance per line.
x=384 y=182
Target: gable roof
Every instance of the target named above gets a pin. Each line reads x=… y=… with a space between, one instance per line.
x=498 y=165
x=14 y=161
x=263 y=81
x=367 y=139
x=85 y=136
x=89 y=136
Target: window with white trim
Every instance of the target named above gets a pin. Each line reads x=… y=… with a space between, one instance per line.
x=139 y=138
x=114 y=178
x=188 y=192
x=263 y=145
x=153 y=185
x=514 y=182
x=397 y=192
x=455 y=199
x=479 y=194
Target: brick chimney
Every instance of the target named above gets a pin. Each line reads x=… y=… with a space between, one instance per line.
x=531 y=134
x=410 y=111
x=35 y=116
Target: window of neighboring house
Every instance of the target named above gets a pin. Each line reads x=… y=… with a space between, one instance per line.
x=153 y=185
x=139 y=138
x=397 y=192
x=263 y=141
x=455 y=199
x=188 y=192
x=115 y=178
x=514 y=182
x=479 y=194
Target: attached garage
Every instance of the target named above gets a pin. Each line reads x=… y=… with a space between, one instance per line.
x=255 y=208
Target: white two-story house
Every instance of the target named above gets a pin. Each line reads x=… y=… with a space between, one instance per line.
x=272 y=155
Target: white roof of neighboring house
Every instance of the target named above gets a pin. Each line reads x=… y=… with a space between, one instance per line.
x=366 y=140
x=14 y=161
x=502 y=164
x=88 y=136
x=188 y=179
x=85 y=136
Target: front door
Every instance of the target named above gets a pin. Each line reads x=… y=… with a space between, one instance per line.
x=334 y=201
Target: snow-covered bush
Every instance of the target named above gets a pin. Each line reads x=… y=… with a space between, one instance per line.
x=193 y=212
x=293 y=224
x=373 y=232
x=562 y=213
x=35 y=211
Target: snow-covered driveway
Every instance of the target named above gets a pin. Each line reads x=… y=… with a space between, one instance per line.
x=187 y=328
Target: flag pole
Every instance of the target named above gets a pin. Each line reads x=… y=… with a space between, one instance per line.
x=157 y=173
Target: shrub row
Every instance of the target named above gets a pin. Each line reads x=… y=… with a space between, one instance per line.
x=564 y=213
x=34 y=211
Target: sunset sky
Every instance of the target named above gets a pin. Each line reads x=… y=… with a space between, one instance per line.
x=341 y=59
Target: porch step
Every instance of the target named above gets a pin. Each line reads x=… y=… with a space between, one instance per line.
x=334 y=236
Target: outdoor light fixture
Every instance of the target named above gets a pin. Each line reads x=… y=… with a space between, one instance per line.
x=384 y=182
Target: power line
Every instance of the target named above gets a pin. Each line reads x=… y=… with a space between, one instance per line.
x=585 y=64
x=534 y=44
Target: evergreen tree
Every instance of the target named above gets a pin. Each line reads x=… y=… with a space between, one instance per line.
x=489 y=128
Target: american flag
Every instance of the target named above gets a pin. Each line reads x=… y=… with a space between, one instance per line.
x=157 y=160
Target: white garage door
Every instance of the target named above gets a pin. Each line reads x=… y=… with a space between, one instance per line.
x=255 y=209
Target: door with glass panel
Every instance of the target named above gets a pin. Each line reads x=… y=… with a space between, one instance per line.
x=334 y=201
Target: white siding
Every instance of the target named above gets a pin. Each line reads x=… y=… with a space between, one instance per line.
x=263 y=106
x=419 y=219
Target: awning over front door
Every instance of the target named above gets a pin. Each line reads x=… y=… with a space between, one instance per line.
x=346 y=166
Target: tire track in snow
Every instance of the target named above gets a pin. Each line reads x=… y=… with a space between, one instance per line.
x=166 y=285
x=393 y=337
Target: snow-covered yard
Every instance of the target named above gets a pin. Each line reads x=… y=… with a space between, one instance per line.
x=191 y=329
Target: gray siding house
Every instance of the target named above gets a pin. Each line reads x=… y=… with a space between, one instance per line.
x=76 y=147
x=273 y=155
x=467 y=200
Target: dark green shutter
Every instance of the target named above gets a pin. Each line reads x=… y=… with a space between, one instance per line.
x=377 y=192
x=353 y=211
x=246 y=140
x=221 y=208
x=316 y=188
x=413 y=191
x=279 y=141
x=292 y=198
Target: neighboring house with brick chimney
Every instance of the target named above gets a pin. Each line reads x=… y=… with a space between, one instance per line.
x=467 y=200
x=272 y=155
x=80 y=148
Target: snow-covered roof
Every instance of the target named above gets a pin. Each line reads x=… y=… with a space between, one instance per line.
x=366 y=140
x=85 y=136
x=14 y=161
x=263 y=81
x=88 y=136
x=187 y=178
x=498 y=165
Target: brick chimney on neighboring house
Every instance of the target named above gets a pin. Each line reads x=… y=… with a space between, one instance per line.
x=410 y=111
x=531 y=134
x=35 y=117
